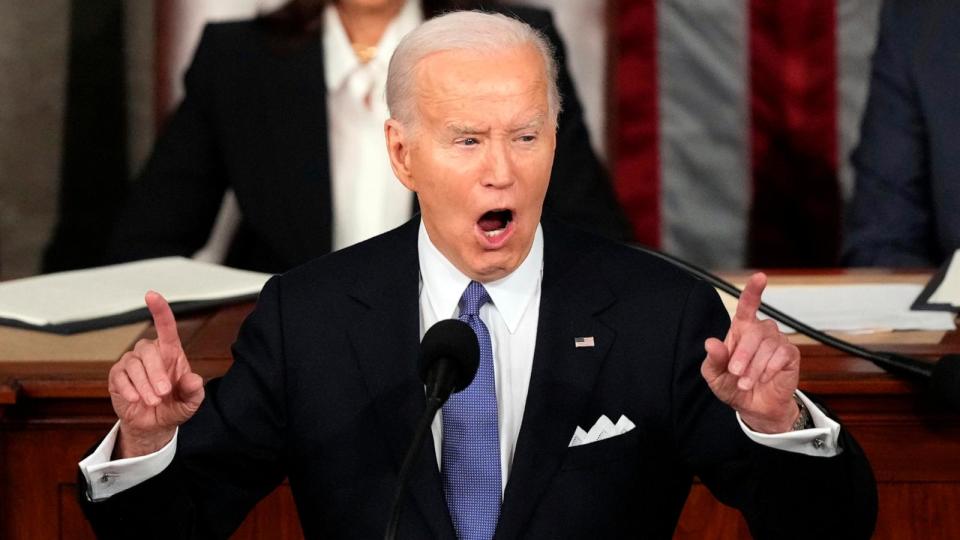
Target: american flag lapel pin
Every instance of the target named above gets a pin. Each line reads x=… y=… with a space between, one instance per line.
x=583 y=342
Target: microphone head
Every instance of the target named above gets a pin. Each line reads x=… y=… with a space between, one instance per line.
x=454 y=341
x=945 y=381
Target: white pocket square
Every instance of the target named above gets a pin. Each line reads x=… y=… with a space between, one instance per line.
x=603 y=429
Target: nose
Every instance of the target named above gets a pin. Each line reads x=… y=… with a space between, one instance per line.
x=500 y=169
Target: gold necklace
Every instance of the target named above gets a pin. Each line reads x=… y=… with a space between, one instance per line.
x=365 y=53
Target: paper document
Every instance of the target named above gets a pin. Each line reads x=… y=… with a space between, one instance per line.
x=67 y=302
x=942 y=293
x=854 y=308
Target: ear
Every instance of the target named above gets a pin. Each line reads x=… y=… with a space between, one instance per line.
x=399 y=140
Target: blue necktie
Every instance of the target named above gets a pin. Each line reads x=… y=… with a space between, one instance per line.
x=471 y=441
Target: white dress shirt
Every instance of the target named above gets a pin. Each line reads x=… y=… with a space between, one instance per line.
x=511 y=319
x=367 y=197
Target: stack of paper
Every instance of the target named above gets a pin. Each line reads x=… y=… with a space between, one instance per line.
x=68 y=302
x=853 y=308
x=856 y=308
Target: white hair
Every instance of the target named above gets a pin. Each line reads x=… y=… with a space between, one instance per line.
x=475 y=31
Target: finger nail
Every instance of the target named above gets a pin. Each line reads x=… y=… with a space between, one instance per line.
x=736 y=367
x=163 y=387
x=744 y=383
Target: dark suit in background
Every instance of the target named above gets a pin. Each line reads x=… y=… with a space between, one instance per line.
x=332 y=403
x=906 y=207
x=254 y=119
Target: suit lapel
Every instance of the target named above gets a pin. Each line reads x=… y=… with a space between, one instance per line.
x=386 y=340
x=563 y=377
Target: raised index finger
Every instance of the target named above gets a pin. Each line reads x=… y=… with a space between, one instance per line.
x=164 y=322
x=750 y=298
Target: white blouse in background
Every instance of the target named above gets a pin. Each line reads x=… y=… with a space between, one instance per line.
x=367 y=197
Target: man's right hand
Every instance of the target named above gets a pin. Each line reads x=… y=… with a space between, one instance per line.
x=152 y=387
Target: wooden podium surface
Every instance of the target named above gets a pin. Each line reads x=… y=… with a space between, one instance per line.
x=53 y=409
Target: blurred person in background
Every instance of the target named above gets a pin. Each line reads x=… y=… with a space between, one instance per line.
x=287 y=110
x=906 y=208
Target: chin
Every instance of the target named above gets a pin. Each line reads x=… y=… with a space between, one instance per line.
x=493 y=266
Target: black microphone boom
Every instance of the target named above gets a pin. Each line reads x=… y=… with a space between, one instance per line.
x=449 y=358
x=943 y=376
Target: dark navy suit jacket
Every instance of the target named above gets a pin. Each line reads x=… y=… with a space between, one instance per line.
x=324 y=390
x=906 y=207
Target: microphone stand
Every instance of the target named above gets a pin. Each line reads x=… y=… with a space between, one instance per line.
x=433 y=405
x=902 y=365
x=440 y=382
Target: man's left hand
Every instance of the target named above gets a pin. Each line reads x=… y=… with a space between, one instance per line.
x=755 y=369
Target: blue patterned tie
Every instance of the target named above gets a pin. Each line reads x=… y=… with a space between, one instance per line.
x=471 y=441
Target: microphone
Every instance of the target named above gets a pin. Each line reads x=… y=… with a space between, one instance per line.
x=449 y=358
x=942 y=377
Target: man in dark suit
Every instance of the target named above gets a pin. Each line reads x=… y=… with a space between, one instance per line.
x=256 y=119
x=906 y=206
x=594 y=405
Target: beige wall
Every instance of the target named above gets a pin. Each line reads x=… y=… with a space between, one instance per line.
x=33 y=69
x=33 y=43
x=140 y=77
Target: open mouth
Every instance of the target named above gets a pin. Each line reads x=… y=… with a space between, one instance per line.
x=495 y=222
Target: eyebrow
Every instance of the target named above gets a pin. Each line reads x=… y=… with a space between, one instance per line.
x=536 y=123
x=462 y=129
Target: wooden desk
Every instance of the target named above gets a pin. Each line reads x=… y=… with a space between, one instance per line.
x=52 y=411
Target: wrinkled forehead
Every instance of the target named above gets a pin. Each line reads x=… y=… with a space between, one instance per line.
x=509 y=77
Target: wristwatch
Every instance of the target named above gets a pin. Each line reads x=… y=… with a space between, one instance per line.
x=803 y=421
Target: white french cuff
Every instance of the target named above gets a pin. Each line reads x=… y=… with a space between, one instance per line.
x=106 y=478
x=818 y=441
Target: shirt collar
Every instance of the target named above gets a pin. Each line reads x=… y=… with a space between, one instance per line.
x=340 y=60
x=511 y=294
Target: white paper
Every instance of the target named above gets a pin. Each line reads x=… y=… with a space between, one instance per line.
x=855 y=308
x=110 y=290
x=949 y=290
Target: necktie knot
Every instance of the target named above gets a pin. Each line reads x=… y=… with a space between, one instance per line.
x=474 y=297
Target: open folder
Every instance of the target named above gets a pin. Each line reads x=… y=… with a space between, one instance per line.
x=80 y=300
